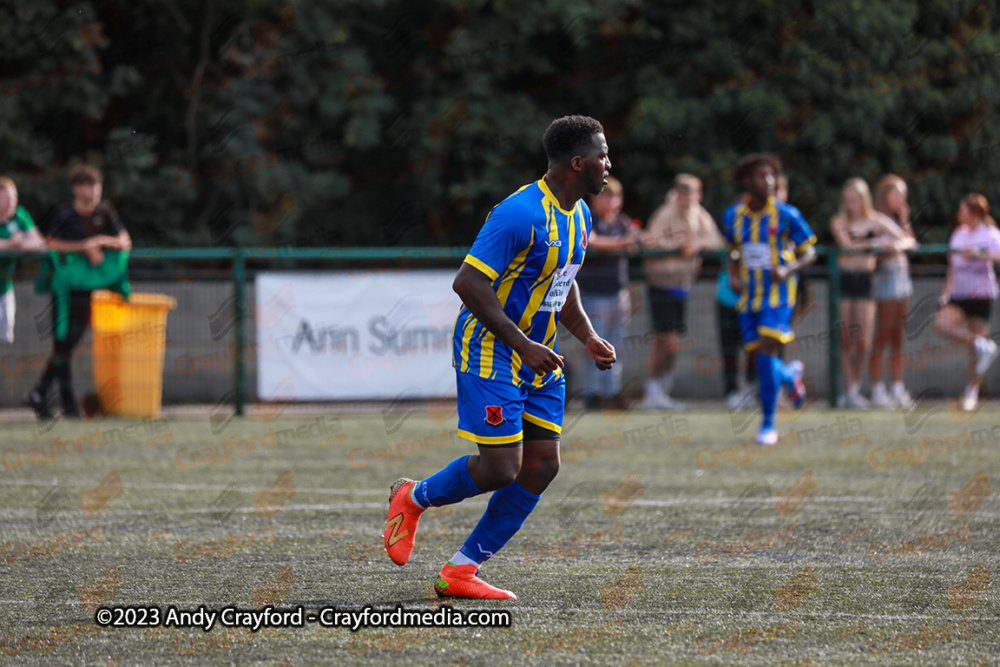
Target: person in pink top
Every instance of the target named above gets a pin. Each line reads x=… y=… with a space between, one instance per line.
x=970 y=289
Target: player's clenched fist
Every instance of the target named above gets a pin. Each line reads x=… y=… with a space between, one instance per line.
x=601 y=351
x=539 y=358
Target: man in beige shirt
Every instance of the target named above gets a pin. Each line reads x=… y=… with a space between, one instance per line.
x=681 y=223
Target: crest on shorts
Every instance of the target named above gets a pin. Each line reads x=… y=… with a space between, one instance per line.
x=494 y=416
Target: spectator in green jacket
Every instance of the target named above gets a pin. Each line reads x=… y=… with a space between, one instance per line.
x=17 y=232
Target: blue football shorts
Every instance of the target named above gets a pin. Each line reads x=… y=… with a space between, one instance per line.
x=494 y=412
x=768 y=322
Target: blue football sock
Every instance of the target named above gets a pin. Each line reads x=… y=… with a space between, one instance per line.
x=784 y=372
x=449 y=485
x=767 y=373
x=504 y=516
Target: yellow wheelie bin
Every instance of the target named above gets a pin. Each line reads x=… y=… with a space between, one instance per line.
x=130 y=338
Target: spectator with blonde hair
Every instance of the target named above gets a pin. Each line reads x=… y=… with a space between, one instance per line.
x=970 y=289
x=860 y=231
x=892 y=289
x=17 y=232
x=681 y=223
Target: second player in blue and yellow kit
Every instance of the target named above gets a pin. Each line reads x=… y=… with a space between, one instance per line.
x=531 y=249
x=773 y=242
x=764 y=239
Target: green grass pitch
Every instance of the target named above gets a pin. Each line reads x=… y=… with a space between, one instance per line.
x=864 y=538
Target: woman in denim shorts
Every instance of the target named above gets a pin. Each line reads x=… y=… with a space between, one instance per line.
x=891 y=289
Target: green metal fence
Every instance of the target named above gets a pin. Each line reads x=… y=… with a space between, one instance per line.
x=238 y=266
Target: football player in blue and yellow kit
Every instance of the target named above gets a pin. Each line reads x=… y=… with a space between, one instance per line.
x=769 y=244
x=516 y=284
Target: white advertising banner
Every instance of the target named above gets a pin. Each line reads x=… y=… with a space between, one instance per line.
x=355 y=335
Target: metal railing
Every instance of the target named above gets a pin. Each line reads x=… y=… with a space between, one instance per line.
x=245 y=260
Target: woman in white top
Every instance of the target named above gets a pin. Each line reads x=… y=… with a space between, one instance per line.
x=970 y=289
x=861 y=232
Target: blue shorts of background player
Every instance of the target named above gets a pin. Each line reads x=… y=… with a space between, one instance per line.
x=774 y=323
x=768 y=322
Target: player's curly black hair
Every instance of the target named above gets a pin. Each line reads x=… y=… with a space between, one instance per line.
x=566 y=136
x=746 y=165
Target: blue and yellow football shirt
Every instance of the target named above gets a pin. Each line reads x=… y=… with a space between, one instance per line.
x=531 y=249
x=763 y=240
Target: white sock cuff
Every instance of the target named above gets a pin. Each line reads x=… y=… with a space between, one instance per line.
x=461 y=559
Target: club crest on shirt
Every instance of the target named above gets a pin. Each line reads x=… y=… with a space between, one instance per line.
x=494 y=416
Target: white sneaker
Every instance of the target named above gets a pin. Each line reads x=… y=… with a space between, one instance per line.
x=986 y=353
x=767 y=437
x=662 y=402
x=671 y=404
x=742 y=399
x=902 y=399
x=969 y=400
x=856 y=401
x=881 y=397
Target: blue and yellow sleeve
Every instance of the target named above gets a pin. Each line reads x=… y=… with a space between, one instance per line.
x=799 y=230
x=507 y=232
x=727 y=227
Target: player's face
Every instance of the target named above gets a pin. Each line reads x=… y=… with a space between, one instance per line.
x=762 y=182
x=596 y=165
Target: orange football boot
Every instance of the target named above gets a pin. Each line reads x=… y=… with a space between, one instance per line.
x=460 y=581
x=401 y=526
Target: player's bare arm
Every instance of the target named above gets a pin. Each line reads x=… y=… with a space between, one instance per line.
x=476 y=291
x=574 y=318
x=781 y=273
x=733 y=267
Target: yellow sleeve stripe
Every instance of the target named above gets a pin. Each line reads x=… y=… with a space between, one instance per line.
x=538 y=421
x=808 y=242
x=491 y=439
x=482 y=266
